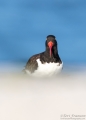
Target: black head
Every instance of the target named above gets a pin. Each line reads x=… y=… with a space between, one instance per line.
x=51 y=45
x=51 y=38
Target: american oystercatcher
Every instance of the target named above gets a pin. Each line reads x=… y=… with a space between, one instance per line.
x=47 y=63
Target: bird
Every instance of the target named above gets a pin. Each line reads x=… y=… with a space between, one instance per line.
x=47 y=63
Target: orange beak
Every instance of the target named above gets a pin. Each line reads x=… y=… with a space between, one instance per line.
x=50 y=44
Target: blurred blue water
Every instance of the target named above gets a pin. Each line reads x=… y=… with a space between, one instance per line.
x=24 y=25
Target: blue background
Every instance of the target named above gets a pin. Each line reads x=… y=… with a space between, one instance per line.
x=24 y=25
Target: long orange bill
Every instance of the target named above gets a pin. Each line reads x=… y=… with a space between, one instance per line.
x=50 y=44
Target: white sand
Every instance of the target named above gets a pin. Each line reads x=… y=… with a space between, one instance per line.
x=24 y=98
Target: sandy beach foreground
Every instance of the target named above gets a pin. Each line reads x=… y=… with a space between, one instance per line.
x=26 y=98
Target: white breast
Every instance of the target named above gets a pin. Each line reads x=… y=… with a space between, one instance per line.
x=46 y=69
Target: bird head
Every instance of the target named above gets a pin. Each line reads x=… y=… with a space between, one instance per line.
x=51 y=43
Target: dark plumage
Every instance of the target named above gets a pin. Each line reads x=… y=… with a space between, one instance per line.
x=44 y=57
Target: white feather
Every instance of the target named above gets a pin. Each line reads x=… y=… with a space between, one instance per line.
x=46 y=69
